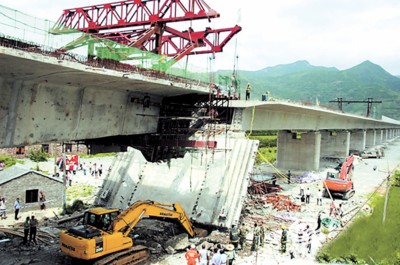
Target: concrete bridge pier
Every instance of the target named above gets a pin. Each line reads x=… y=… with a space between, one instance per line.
x=370 y=138
x=379 y=137
x=384 y=135
x=335 y=144
x=297 y=151
x=358 y=140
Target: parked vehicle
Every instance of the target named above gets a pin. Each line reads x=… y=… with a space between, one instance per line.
x=374 y=153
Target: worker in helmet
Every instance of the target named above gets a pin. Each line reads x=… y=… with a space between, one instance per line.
x=283 y=239
x=243 y=235
x=192 y=256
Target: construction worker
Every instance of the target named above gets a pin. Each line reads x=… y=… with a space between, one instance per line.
x=256 y=238
x=283 y=239
x=192 y=256
x=243 y=235
x=234 y=236
x=262 y=234
x=248 y=90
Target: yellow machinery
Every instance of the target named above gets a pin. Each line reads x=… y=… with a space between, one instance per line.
x=106 y=231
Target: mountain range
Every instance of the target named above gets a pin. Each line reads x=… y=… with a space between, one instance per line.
x=303 y=82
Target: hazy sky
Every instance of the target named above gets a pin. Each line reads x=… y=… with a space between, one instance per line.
x=338 y=33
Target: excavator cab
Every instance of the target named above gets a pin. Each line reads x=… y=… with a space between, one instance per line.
x=100 y=218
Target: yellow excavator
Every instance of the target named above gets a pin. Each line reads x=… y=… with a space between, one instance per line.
x=104 y=234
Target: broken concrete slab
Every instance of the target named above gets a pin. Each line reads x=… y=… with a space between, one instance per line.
x=179 y=242
x=210 y=184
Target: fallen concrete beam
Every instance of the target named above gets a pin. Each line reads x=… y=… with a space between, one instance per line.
x=210 y=184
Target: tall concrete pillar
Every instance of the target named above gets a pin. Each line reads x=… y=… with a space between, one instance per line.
x=371 y=138
x=390 y=134
x=296 y=152
x=384 y=135
x=335 y=144
x=379 y=137
x=358 y=140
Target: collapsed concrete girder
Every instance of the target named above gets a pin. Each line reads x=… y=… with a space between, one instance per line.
x=211 y=185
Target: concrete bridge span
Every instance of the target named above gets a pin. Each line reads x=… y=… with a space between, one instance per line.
x=282 y=115
x=44 y=99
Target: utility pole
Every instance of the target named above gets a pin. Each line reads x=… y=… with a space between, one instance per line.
x=369 y=102
x=64 y=195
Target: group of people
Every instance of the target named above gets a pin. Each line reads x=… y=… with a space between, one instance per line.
x=30 y=228
x=220 y=255
x=93 y=170
x=237 y=236
x=258 y=236
x=18 y=206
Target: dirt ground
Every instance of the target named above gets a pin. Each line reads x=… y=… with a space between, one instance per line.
x=366 y=180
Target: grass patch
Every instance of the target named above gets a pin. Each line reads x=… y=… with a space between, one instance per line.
x=82 y=155
x=82 y=192
x=10 y=161
x=368 y=237
x=268 y=153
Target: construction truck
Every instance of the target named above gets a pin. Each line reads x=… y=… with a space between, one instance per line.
x=339 y=183
x=104 y=234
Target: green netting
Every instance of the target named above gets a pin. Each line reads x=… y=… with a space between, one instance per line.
x=49 y=36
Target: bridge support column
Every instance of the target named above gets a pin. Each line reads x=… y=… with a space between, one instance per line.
x=370 y=138
x=389 y=134
x=335 y=144
x=358 y=140
x=379 y=137
x=297 y=152
x=384 y=135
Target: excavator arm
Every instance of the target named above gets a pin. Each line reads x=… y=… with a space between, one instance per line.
x=128 y=219
x=347 y=167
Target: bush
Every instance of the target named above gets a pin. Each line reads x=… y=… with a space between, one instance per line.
x=38 y=155
x=8 y=161
x=396 y=178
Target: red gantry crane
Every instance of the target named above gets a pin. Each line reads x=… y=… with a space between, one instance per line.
x=145 y=24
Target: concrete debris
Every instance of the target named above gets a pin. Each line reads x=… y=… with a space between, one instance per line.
x=170 y=250
x=179 y=242
x=217 y=236
x=155 y=248
x=307 y=177
x=285 y=217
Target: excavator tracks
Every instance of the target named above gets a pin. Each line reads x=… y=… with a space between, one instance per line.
x=131 y=256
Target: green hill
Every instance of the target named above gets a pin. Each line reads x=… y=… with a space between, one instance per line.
x=301 y=81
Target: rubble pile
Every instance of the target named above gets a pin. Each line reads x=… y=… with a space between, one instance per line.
x=307 y=177
x=282 y=202
x=261 y=188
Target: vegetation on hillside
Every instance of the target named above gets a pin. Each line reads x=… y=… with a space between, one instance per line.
x=368 y=238
x=310 y=84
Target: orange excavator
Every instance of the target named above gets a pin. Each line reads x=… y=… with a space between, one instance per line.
x=104 y=234
x=340 y=183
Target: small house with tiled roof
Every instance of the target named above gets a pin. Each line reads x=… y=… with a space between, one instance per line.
x=26 y=184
